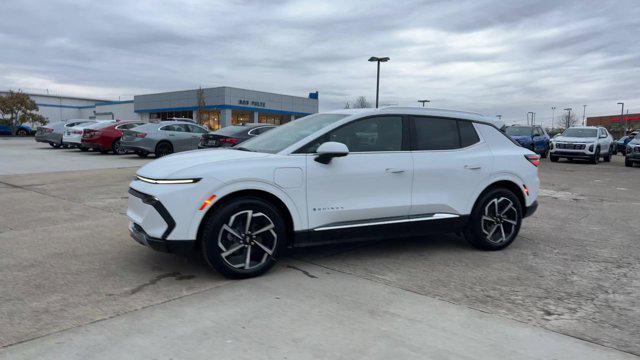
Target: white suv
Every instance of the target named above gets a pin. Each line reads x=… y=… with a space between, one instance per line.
x=348 y=174
x=582 y=142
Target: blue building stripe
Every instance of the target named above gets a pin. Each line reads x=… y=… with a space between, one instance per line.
x=230 y=107
x=66 y=106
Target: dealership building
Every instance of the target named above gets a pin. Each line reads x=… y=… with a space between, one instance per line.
x=616 y=123
x=213 y=107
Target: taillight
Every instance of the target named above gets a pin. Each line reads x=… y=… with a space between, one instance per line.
x=140 y=135
x=229 y=140
x=534 y=159
x=77 y=132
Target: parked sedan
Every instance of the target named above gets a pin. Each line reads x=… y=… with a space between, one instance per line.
x=632 y=153
x=162 y=138
x=52 y=133
x=531 y=137
x=72 y=136
x=21 y=130
x=232 y=135
x=105 y=137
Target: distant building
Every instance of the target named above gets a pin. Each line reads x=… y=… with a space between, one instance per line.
x=214 y=107
x=616 y=123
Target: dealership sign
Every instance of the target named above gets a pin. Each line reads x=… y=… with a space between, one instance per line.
x=251 y=103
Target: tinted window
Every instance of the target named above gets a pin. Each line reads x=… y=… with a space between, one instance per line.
x=176 y=127
x=197 y=129
x=260 y=130
x=383 y=133
x=468 y=134
x=436 y=134
x=518 y=131
x=232 y=130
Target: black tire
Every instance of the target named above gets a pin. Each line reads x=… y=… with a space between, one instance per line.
x=117 y=148
x=607 y=158
x=553 y=158
x=22 y=132
x=163 y=148
x=595 y=159
x=82 y=148
x=480 y=232
x=233 y=215
x=142 y=154
x=104 y=151
x=544 y=154
x=627 y=162
x=54 y=145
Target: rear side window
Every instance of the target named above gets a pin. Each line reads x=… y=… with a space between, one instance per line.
x=176 y=127
x=197 y=129
x=443 y=134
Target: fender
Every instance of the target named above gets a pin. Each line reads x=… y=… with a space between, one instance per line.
x=297 y=215
x=500 y=176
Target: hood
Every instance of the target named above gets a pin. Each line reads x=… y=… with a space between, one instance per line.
x=580 y=140
x=187 y=164
x=634 y=142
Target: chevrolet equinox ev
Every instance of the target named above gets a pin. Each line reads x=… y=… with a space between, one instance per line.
x=333 y=177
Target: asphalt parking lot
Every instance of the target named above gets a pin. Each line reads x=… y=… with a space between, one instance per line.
x=74 y=285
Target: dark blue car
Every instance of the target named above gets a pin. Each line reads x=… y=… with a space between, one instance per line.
x=22 y=130
x=620 y=145
x=532 y=137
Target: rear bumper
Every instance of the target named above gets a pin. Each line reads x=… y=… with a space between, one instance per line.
x=531 y=209
x=94 y=145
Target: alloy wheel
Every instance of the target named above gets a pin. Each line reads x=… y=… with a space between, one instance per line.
x=117 y=148
x=500 y=220
x=247 y=240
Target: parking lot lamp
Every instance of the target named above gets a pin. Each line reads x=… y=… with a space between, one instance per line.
x=378 y=60
x=568 y=117
x=584 y=112
x=553 y=116
x=423 y=102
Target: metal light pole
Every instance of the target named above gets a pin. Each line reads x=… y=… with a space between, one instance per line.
x=568 y=117
x=378 y=60
x=584 y=111
x=530 y=112
x=622 y=119
x=424 y=101
x=553 y=116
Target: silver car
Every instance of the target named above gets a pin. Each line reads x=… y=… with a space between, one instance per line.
x=52 y=133
x=162 y=138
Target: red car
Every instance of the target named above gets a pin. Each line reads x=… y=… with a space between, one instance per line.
x=106 y=137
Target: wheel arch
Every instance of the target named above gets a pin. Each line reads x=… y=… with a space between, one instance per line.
x=163 y=141
x=504 y=184
x=263 y=194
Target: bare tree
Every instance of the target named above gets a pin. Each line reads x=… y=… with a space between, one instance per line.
x=201 y=105
x=566 y=121
x=360 y=102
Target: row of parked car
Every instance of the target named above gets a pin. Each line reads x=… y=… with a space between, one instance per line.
x=142 y=138
x=590 y=143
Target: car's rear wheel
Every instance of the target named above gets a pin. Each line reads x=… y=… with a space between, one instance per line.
x=142 y=154
x=21 y=132
x=82 y=148
x=627 y=162
x=54 y=145
x=544 y=154
x=117 y=148
x=243 y=238
x=495 y=220
x=163 y=148
x=554 y=158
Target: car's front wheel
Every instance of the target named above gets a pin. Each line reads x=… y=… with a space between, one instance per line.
x=243 y=238
x=495 y=220
x=627 y=162
x=163 y=148
x=117 y=148
x=554 y=158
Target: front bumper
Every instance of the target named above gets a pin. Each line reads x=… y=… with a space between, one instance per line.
x=160 y=217
x=633 y=156
x=571 y=154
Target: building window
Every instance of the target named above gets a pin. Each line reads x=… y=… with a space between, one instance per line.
x=210 y=119
x=266 y=118
x=241 y=117
x=171 y=114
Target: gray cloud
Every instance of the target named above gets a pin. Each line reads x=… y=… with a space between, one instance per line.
x=492 y=56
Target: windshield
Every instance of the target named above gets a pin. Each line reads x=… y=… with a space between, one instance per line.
x=581 y=133
x=286 y=135
x=518 y=131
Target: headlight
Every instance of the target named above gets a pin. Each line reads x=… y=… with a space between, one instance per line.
x=167 y=181
x=591 y=148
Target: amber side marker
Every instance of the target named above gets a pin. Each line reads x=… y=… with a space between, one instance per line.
x=207 y=202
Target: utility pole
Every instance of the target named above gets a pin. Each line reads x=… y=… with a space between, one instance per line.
x=568 y=123
x=584 y=111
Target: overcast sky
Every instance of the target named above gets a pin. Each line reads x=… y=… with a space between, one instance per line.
x=492 y=56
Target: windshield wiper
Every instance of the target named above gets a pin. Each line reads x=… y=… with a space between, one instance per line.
x=241 y=148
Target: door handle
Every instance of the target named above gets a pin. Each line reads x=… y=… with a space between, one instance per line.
x=170 y=134
x=394 y=171
x=473 y=167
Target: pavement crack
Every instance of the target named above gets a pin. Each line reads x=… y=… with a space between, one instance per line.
x=176 y=275
x=302 y=271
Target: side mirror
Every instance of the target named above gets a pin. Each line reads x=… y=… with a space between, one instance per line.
x=603 y=136
x=330 y=149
